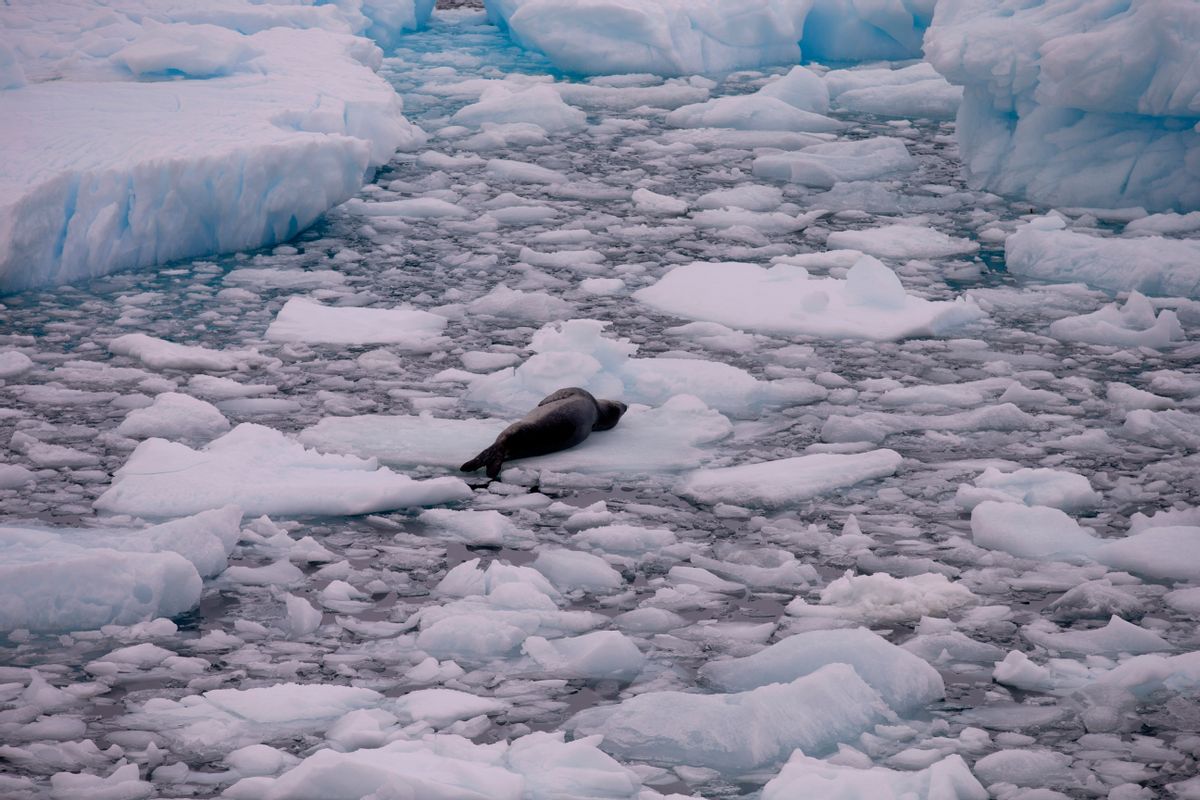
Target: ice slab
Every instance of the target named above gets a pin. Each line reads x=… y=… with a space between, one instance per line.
x=538 y=766
x=1165 y=553
x=304 y=320
x=160 y=354
x=222 y=720
x=668 y=438
x=258 y=133
x=1118 y=636
x=739 y=731
x=66 y=579
x=576 y=353
x=795 y=102
x=1133 y=324
x=264 y=472
x=1067 y=491
x=869 y=303
x=776 y=484
x=1049 y=113
x=802 y=776
x=1030 y=531
x=538 y=105
x=904 y=681
x=1152 y=265
x=902 y=242
x=175 y=416
x=913 y=91
x=599 y=655
x=823 y=165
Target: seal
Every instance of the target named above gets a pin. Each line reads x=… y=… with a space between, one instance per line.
x=563 y=419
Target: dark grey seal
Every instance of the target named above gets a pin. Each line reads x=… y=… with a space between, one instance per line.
x=561 y=420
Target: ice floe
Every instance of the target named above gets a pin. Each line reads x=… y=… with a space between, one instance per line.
x=869 y=303
x=264 y=472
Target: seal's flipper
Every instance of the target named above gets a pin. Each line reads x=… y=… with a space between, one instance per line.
x=492 y=457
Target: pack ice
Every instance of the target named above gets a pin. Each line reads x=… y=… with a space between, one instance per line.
x=158 y=131
x=1076 y=103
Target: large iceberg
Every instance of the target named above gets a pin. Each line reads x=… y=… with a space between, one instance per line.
x=159 y=130
x=682 y=37
x=1076 y=102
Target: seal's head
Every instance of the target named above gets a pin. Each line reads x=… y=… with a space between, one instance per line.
x=610 y=414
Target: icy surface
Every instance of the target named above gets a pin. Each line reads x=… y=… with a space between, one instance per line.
x=446 y=651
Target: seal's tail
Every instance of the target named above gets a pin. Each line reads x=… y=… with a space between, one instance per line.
x=492 y=457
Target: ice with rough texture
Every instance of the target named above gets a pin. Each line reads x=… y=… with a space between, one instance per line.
x=904 y=681
x=869 y=303
x=668 y=438
x=66 y=579
x=264 y=472
x=1077 y=102
x=881 y=598
x=804 y=777
x=1151 y=265
x=109 y=167
x=742 y=730
x=1133 y=324
x=1033 y=487
x=777 y=484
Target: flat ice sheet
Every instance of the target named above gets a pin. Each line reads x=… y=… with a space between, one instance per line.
x=303 y=320
x=775 y=484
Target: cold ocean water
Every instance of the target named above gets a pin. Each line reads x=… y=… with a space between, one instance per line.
x=684 y=570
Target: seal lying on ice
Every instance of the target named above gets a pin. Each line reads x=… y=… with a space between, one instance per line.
x=561 y=420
